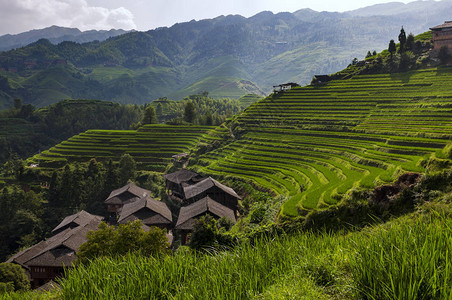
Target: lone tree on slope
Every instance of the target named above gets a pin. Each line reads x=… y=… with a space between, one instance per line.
x=392 y=47
x=402 y=39
x=189 y=112
x=150 y=116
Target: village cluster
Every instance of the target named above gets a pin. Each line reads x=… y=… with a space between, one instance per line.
x=198 y=196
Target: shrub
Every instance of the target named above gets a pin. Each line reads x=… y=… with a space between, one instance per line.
x=13 y=277
x=120 y=240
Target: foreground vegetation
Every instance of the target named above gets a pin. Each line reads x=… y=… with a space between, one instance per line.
x=407 y=258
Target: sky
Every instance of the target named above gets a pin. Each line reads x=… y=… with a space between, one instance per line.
x=22 y=15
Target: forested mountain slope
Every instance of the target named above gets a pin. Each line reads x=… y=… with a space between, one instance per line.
x=228 y=56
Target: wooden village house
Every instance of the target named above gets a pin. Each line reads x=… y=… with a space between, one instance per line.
x=175 y=182
x=128 y=193
x=79 y=219
x=151 y=213
x=206 y=206
x=47 y=260
x=216 y=191
x=442 y=36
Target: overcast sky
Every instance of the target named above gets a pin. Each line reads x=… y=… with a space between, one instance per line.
x=22 y=15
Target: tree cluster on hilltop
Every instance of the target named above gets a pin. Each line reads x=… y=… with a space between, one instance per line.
x=412 y=52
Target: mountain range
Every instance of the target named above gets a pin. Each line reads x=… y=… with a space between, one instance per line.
x=227 y=56
x=56 y=35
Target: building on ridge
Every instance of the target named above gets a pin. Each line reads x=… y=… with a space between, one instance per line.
x=442 y=36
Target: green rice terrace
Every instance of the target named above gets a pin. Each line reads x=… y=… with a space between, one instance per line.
x=315 y=143
x=152 y=146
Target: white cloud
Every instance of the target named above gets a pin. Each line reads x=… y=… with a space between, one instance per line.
x=22 y=15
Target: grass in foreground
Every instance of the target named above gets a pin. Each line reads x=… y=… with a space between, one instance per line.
x=408 y=258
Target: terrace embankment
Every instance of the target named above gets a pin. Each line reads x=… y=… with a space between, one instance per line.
x=315 y=143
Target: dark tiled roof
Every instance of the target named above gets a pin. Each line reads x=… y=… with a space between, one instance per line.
x=180 y=176
x=81 y=218
x=61 y=248
x=447 y=24
x=160 y=208
x=27 y=254
x=202 y=186
x=188 y=213
x=131 y=188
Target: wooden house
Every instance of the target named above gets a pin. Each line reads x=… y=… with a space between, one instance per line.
x=47 y=260
x=206 y=206
x=210 y=187
x=175 y=182
x=442 y=36
x=149 y=211
x=79 y=219
x=126 y=194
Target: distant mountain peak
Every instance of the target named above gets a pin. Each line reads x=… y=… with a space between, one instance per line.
x=55 y=34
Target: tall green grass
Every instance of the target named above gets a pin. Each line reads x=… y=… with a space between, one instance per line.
x=405 y=259
x=408 y=259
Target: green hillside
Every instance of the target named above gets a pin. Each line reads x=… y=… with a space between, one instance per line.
x=228 y=56
x=316 y=143
x=151 y=146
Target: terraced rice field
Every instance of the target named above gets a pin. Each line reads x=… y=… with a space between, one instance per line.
x=151 y=146
x=314 y=144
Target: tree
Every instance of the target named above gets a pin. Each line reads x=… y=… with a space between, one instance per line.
x=150 y=116
x=204 y=234
x=17 y=103
x=410 y=42
x=189 y=112
x=159 y=109
x=374 y=53
x=443 y=54
x=392 y=47
x=13 y=275
x=127 y=168
x=402 y=39
x=125 y=238
x=369 y=54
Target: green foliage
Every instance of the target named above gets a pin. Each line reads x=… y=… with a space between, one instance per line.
x=21 y=214
x=150 y=116
x=204 y=233
x=408 y=259
x=13 y=278
x=110 y=241
x=127 y=168
x=189 y=112
x=26 y=131
x=402 y=40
